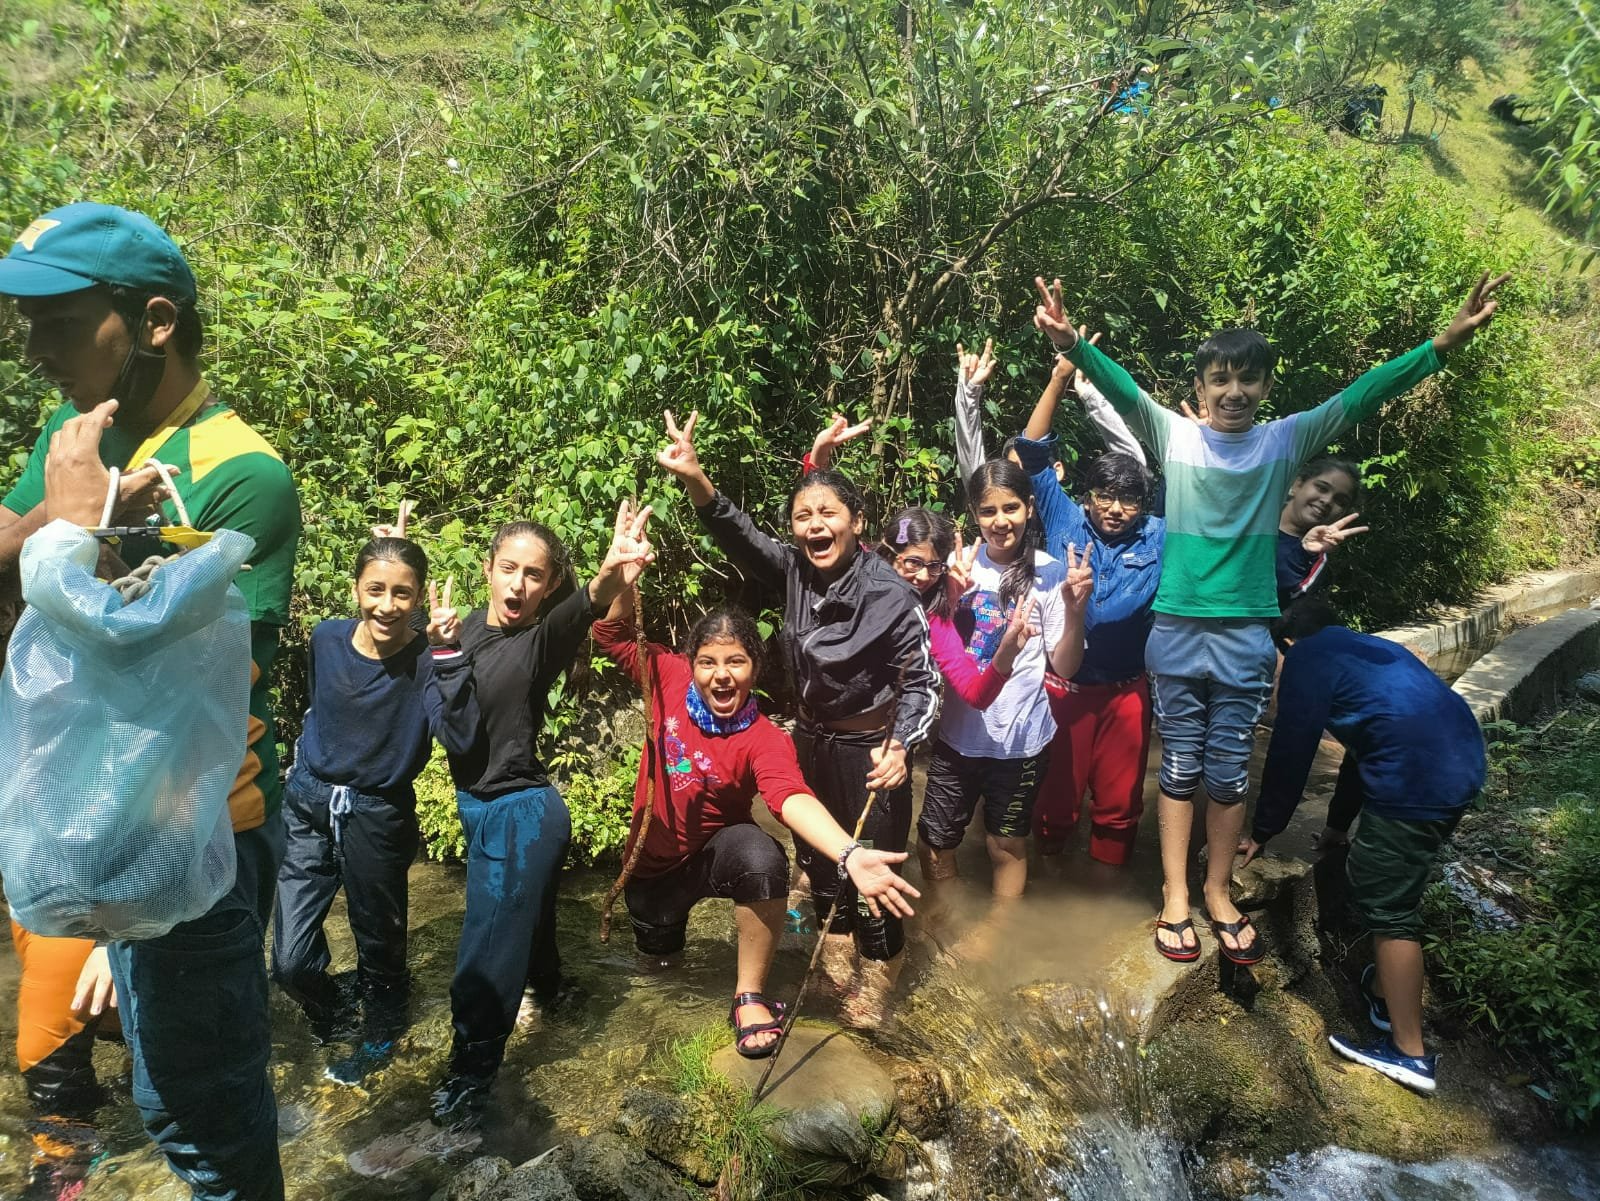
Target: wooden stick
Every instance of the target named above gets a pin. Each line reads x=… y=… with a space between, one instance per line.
x=641 y=656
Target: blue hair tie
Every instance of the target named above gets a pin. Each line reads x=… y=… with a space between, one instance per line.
x=905 y=536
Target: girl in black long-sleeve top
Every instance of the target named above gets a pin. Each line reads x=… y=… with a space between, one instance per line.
x=850 y=624
x=517 y=826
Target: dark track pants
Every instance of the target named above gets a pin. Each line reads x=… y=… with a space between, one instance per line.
x=835 y=763
x=516 y=844
x=366 y=843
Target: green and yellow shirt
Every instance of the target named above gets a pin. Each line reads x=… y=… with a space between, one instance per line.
x=232 y=479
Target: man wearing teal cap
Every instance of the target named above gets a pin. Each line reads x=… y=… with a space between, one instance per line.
x=113 y=322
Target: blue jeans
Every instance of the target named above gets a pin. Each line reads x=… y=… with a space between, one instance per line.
x=516 y=844
x=193 y=1005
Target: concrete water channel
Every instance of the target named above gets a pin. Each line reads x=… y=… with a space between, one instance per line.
x=1079 y=925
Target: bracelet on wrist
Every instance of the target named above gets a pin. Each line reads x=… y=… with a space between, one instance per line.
x=850 y=849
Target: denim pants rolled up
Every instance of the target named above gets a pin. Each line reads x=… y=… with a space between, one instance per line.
x=194 y=1013
x=516 y=844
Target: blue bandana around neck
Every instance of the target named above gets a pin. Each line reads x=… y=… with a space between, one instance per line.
x=700 y=713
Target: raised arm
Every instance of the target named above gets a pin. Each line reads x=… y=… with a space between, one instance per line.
x=972 y=372
x=759 y=555
x=1066 y=655
x=1149 y=420
x=452 y=709
x=1371 y=391
x=837 y=432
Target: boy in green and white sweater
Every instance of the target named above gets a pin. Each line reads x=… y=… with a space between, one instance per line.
x=1210 y=655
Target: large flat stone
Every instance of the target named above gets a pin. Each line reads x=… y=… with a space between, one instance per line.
x=819 y=1065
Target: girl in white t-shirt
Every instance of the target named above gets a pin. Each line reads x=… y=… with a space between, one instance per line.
x=997 y=754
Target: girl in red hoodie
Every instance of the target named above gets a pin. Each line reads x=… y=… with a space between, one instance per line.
x=708 y=755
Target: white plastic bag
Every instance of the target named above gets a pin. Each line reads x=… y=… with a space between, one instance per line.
x=122 y=729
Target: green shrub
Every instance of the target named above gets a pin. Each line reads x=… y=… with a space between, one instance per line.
x=1533 y=988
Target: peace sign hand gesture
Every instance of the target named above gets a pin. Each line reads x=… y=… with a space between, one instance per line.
x=630 y=551
x=839 y=432
x=976 y=369
x=959 y=578
x=444 y=621
x=398 y=529
x=1050 y=317
x=1320 y=539
x=1019 y=629
x=1475 y=313
x=1078 y=587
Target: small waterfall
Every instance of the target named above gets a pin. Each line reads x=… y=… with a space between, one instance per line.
x=1051 y=1095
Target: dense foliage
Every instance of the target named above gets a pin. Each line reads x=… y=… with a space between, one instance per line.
x=468 y=254
x=1537 y=838
x=1567 y=58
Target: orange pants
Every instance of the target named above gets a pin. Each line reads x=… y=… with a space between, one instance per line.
x=54 y=1045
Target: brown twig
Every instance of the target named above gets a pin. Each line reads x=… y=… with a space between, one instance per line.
x=641 y=654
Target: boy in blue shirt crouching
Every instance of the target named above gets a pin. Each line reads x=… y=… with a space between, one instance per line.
x=1421 y=761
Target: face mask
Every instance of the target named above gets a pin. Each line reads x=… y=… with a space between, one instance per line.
x=136 y=384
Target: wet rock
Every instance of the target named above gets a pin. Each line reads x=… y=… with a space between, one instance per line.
x=1588 y=684
x=537 y=1180
x=669 y=1128
x=477 y=1178
x=608 y=1167
x=1262 y=880
x=836 y=1103
x=923 y=1098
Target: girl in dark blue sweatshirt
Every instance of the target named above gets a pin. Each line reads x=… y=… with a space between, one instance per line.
x=349 y=803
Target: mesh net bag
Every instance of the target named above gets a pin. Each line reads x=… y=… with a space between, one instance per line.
x=122 y=728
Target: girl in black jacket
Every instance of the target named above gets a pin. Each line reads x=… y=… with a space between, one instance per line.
x=850 y=625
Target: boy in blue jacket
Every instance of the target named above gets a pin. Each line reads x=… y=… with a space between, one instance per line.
x=1421 y=761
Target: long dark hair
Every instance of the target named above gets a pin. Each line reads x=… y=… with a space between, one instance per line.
x=560 y=561
x=728 y=623
x=1019 y=575
x=912 y=527
x=393 y=550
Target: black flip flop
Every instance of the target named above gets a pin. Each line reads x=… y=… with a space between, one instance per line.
x=1180 y=953
x=1245 y=957
x=740 y=1033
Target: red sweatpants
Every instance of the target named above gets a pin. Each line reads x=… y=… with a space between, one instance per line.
x=1102 y=745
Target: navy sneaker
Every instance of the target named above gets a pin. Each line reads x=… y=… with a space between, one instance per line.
x=459 y=1101
x=371 y=1056
x=1377 y=1007
x=1413 y=1071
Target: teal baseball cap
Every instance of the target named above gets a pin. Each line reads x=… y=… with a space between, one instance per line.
x=81 y=245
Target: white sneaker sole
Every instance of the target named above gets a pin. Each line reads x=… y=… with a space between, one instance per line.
x=1400 y=1075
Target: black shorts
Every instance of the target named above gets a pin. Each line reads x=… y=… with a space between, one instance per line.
x=1008 y=789
x=740 y=863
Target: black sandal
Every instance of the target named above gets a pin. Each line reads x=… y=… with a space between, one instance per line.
x=1243 y=956
x=742 y=1033
x=1179 y=953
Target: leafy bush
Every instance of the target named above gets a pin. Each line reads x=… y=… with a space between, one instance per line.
x=1533 y=987
x=439 y=261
